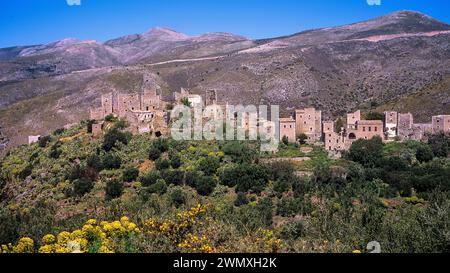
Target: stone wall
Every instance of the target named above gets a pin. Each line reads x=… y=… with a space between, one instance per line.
x=441 y=124
x=405 y=124
x=309 y=122
x=288 y=129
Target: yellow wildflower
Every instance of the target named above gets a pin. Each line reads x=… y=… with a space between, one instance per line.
x=63 y=238
x=91 y=222
x=25 y=245
x=46 y=249
x=49 y=239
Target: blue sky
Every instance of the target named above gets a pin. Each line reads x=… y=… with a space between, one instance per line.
x=26 y=22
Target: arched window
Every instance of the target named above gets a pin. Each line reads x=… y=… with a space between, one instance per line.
x=352 y=136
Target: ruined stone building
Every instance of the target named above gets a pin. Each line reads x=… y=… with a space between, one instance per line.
x=356 y=128
x=193 y=99
x=211 y=97
x=145 y=111
x=309 y=122
x=288 y=129
x=97 y=129
x=333 y=141
x=402 y=126
x=441 y=124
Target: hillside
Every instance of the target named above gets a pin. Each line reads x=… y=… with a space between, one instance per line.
x=381 y=63
x=136 y=194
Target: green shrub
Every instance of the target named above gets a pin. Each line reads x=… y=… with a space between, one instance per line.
x=205 y=185
x=160 y=187
x=395 y=163
x=161 y=144
x=114 y=189
x=254 y=179
x=283 y=184
x=59 y=132
x=150 y=178
x=93 y=161
x=302 y=138
x=175 y=161
x=89 y=125
x=75 y=172
x=355 y=172
x=241 y=199
x=154 y=153
x=130 y=174
x=177 y=198
x=121 y=124
x=110 y=118
x=440 y=144
x=34 y=156
x=82 y=186
x=366 y=152
x=329 y=175
x=285 y=140
x=55 y=151
x=293 y=230
x=111 y=162
x=209 y=165
x=230 y=175
x=301 y=186
x=43 y=141
x=247 y=177
x=279 y=169
x=162 y=164
x=265 y=208
x=239 y=152
x=288 y=207
x=174 y=177
x=191 y=178
x=2 y=182
x=112 y=137
x=414 y=200
x=27 y=171
x=424 y=153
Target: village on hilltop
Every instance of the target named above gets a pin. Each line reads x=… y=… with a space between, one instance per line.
x=147 y=112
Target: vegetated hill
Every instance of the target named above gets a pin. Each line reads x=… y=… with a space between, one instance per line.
x=243 y=202
x=404 y=56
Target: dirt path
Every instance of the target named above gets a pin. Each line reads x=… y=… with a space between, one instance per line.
x=187 y=60
x=292 y=159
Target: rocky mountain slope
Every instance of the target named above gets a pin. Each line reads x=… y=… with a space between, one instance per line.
x=68 y=55
x=392 y=62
